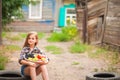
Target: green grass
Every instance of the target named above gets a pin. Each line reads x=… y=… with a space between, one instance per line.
x=4 y=50
x=23 y=35
x=3 y=61
x=11 y=48
x=41 y=35
x=102 y=53
x=58 y=37
x=75 y=63
x=78 y=48
x=11 y=37
x=19 y=36
x=53 y=49
x=97 y=52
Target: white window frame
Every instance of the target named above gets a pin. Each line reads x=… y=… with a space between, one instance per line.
x=71 y=15
x=40 y=11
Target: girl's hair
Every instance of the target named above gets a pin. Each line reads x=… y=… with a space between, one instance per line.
x=26 y=44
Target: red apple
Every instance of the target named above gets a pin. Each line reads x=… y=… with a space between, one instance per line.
x=39 y=56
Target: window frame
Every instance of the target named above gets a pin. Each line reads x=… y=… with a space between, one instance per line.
x=40 y=11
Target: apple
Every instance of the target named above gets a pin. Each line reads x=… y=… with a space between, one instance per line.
x=39 y=56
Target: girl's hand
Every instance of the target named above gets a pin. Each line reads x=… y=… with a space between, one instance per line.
x=39 y=62
x=42 y=62
x=32 y=64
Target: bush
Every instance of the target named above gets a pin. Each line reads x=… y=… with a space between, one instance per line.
x=71 y=31
x=67 y=34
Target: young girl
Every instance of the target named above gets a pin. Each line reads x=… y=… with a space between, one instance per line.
x=30 y=68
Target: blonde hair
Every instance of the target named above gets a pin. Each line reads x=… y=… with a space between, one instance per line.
x=26 y=44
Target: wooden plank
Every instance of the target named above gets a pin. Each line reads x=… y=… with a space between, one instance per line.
x=112 y=27
x=96 y=5
x=112 y=33
x=96 y=14
x=68 y=1
x=111 y=40
x=47 y=9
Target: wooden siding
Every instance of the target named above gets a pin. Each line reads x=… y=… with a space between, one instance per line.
x=68 y=1
x=48 y=9
x=95 y=14
x=96 y=11
x=112 y=27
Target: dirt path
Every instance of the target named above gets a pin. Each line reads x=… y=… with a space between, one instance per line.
x=61 y=66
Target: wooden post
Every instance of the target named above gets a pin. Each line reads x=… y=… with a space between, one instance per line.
x=84 y=34
x=104 y=23
x=0 y=22
x=82 y=13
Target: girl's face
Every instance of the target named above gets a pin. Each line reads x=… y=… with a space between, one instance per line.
x=32 y=40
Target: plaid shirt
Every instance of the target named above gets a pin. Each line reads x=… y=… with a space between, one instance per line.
x=26 y=52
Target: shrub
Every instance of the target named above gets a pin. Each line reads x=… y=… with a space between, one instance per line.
x=67 y=34
x=71 y=31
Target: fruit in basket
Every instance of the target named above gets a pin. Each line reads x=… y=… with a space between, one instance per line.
x=43 y=59
x=30 y=59
x=39 y=56
x=35 y=59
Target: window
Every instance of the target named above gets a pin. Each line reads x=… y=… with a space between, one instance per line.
x=35 y=10
x=70 y=16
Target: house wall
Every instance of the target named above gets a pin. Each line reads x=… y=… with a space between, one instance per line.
x=48 y=9
x=50 y=17
x=112 y=27
x=50 y=14
x=59 y=3
x=90 y=20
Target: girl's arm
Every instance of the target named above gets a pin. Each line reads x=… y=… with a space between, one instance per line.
x=42 y=62
x=24 y=62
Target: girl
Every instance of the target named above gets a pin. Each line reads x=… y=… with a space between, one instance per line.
x=30 y=68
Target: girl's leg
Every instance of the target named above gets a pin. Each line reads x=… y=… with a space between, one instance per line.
x=30 y=71
x=44 y=72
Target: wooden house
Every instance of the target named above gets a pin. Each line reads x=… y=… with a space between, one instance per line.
x=98 y=21
x=111 y=33
x=45 y=15
x=90 y=14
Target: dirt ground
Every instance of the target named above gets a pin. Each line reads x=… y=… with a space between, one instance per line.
x=61 y=66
